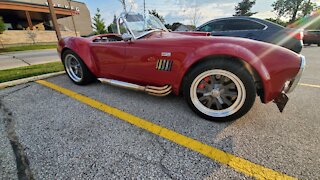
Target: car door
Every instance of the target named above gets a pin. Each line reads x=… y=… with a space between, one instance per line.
x=109 y=57
x=153 y=60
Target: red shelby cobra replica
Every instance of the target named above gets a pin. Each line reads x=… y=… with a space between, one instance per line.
x=219 y=76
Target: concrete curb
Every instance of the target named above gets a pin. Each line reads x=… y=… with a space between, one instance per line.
x=30 y=79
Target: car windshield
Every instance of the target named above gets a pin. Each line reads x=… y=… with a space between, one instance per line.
x=139 y=25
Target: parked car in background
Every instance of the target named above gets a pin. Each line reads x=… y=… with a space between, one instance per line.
x=311 y=37
x=256 y=29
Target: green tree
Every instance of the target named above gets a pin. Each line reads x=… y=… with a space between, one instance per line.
x=292 y=8
x=277 y=21
x=175 y=26
x=244 y=8
x=32 y=35
x=156 y=14
x=98 y=23
x=114 y=19
x=2 y=29
x=168 y=26
x=308 y=7
x=112 y=28
x=2 y=25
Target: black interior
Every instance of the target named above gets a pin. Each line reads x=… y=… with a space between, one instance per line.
x=110 y=38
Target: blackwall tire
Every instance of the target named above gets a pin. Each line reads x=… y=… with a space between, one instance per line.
x=76 y=70
x=219 y=90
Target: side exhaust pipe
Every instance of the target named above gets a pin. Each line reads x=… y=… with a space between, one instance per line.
x=152 y=90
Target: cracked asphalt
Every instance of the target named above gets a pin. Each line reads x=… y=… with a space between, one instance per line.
x=48 y=135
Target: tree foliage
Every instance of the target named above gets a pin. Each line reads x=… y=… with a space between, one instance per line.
x=2 y=25
x=195 y=16
x=174 y=26
x=278 y=21
x=156 y=14
x=112 y=28
x=127 y=5
x=32 y=35
x=292 y=8
x=98 y=23
x=244 y=8
x=308 y=7
x=2 y=29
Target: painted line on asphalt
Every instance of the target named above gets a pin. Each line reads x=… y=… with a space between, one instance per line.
x=239 y=164
x=309 y=85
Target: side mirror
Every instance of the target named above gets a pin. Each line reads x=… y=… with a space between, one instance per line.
x=126 y=37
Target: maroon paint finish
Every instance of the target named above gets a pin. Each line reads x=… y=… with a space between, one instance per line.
x=135 y=61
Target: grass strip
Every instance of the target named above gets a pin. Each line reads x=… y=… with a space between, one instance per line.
x=26 y=48
x=29 y=71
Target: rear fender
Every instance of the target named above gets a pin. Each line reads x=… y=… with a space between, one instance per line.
x=81 y=47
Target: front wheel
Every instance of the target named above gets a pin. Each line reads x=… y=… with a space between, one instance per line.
x=220 y=90
x=76 y=69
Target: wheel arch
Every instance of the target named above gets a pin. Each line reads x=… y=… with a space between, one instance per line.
x=84 y=57
x=254 y=73
x=64 y=50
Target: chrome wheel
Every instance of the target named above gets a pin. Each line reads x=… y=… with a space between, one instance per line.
x=73 y=68
x=217 y=93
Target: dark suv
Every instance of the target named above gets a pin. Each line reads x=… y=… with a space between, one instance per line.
x=256 y=29
x=311 y=37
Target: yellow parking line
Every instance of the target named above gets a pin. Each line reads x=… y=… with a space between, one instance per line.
x=237 y=163
x=309 y=85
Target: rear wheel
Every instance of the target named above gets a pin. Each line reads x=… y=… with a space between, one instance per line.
x=220 y=90
x=318 y=44
x=76 y=69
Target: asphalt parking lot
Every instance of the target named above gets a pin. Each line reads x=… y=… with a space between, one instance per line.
x=46 y=134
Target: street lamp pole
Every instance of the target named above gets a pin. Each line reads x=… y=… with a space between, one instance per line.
x=54 y=19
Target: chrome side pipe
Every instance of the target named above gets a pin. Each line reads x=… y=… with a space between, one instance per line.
x=152 y=90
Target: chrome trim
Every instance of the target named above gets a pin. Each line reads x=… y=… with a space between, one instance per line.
x=146 y=33
x=152 y=90
x=293 y=83
x=122 y=84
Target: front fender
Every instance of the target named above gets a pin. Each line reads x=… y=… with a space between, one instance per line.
x=264 y=62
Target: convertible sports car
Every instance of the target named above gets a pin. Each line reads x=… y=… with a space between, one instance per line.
x=219 y=76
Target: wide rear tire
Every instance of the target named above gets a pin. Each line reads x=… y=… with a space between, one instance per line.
x=220 y=90
x=76 y=70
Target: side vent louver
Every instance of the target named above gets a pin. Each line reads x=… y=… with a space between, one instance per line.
x=164 y=65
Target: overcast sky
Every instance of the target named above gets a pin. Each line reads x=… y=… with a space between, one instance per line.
x=180 y=10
